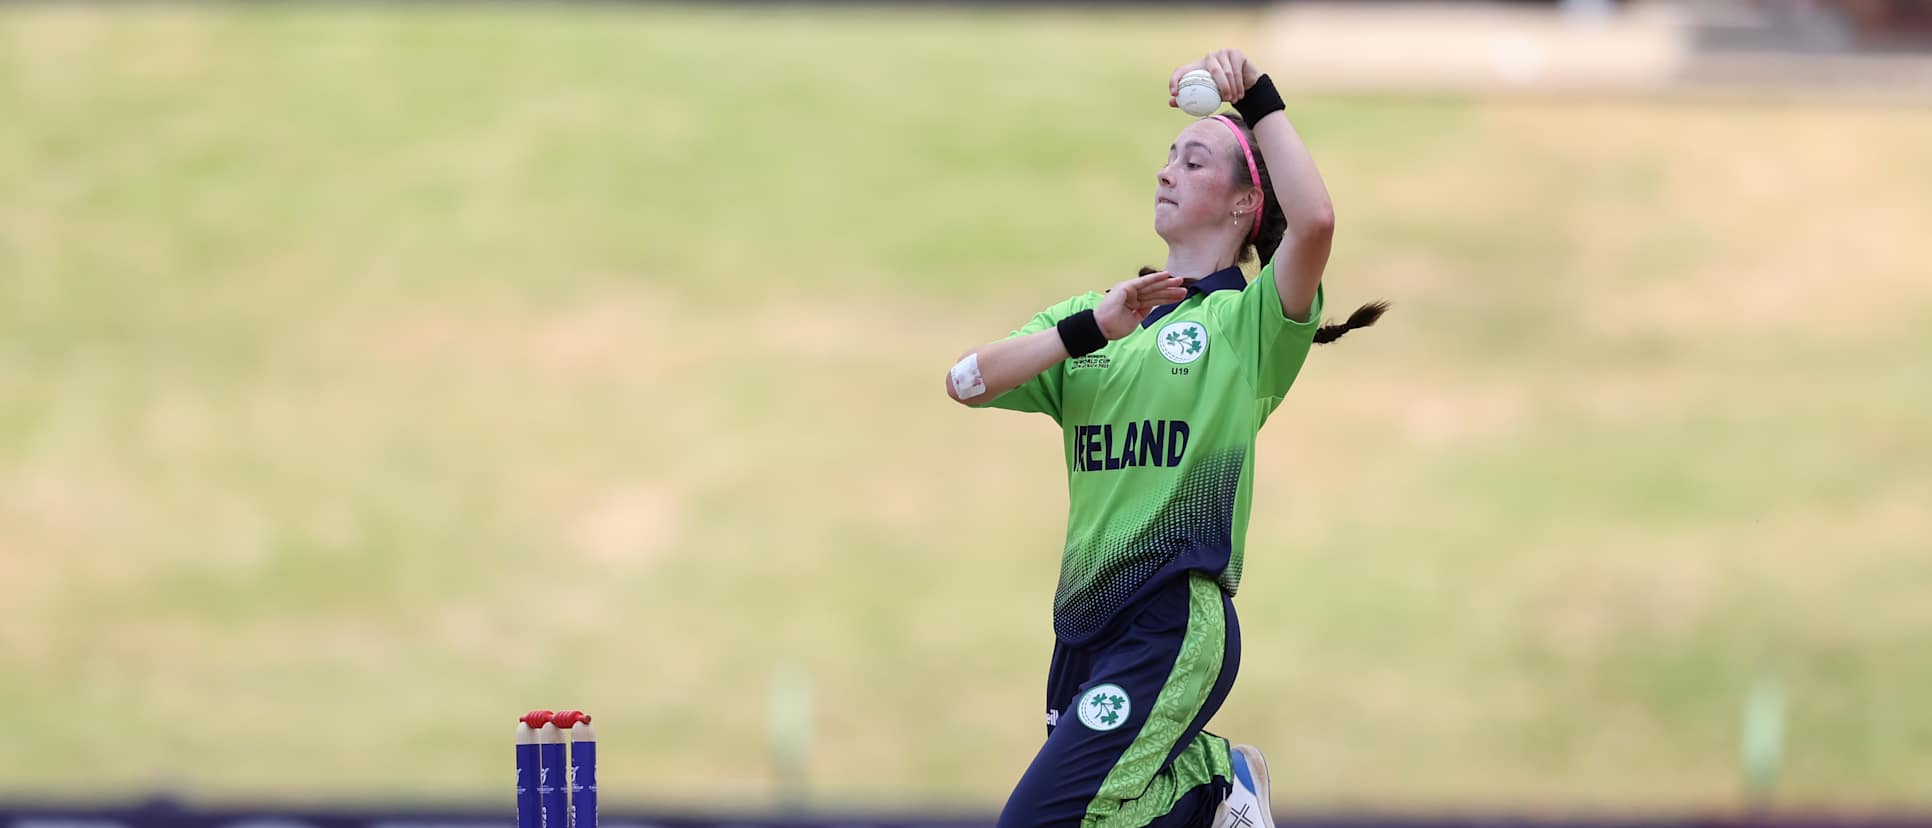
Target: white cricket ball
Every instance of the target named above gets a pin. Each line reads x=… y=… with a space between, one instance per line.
x=1197 y=95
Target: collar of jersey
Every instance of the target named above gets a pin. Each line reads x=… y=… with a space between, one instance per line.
x=1227 y=278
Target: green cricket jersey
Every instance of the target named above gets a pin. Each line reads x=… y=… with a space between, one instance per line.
x=1159 y=433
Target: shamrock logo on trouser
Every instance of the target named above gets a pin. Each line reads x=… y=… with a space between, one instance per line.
x=1105 y=707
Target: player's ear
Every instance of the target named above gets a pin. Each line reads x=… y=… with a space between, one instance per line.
x=1253 y=200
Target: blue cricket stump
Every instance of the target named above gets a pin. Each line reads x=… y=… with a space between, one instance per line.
x=553 y=790
x=583 y=775
x=529 y=808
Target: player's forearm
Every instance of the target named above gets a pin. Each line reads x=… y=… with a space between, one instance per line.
x=1303 y=254
x=995 y=368
x=1298 y=185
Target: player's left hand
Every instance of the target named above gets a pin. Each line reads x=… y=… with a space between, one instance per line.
x=1233 y=74
x=1126 y=304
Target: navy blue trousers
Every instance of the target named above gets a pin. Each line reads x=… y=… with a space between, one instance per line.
x=1126 y=742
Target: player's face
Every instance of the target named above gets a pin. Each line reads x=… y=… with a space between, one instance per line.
x=1194 y=191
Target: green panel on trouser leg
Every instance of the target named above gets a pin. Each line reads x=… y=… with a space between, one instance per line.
x=1137 y=791
x=1203 y=760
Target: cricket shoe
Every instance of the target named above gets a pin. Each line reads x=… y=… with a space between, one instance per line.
x=1247 y=804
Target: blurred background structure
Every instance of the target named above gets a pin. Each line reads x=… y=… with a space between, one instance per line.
x=1762 y=49
x=371 y=373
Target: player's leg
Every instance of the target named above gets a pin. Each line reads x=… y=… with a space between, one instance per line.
x=1239 y=800
x=1125 y=751
x=1236 y=801
x=1094 y=771
x=1050 y=792
x=1167 y=772
x=1197 y=776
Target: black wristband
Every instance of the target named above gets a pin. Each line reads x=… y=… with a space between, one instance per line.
x=1260 y=101
x=1081 y=334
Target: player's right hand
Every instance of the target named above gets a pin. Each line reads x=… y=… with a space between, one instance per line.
x=1232 y=71
x=1127 y=303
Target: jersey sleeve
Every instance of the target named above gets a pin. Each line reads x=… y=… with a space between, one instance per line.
x=1280 y=344
x=1041 y=394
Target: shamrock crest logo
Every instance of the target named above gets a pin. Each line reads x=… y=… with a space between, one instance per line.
x=1183 y=342
x=1105 y=707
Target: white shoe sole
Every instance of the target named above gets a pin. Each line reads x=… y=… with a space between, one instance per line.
x=1258 y=770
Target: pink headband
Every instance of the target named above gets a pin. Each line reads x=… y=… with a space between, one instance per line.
x=1253 y=174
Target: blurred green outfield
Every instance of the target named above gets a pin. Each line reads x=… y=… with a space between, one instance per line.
x=370 y=376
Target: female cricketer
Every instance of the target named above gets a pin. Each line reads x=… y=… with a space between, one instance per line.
x=1159 y=386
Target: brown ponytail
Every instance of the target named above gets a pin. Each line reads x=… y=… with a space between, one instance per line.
x=1363 y=317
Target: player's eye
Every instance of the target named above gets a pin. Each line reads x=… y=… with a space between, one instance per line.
x=1193 y=166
